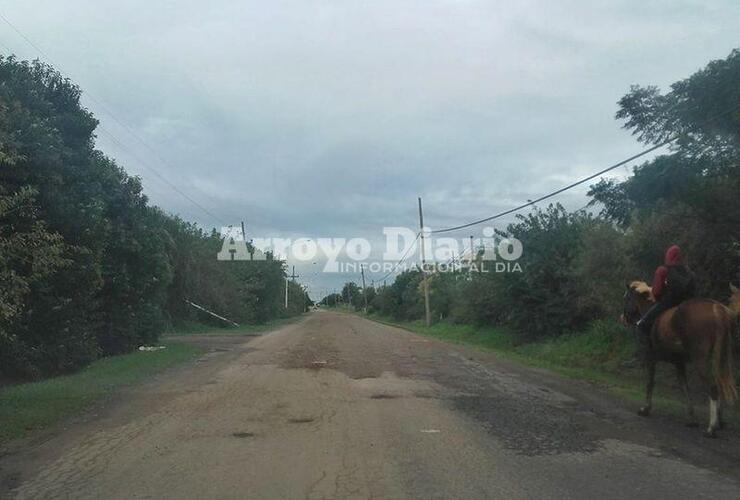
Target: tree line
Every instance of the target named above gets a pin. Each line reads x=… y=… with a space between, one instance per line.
x=576 y=263
x=88 y=267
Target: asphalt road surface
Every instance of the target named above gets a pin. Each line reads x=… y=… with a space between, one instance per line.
x=336 y=406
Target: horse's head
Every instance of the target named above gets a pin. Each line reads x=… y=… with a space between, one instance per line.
x=735 y=299
x=637 y=298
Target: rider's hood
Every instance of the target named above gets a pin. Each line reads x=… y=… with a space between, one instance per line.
x=673 y=256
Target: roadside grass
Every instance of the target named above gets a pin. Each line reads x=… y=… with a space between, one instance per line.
x=196 y=328
x=603 y=354
x=34 y=405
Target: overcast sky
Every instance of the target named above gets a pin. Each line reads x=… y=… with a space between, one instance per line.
x=328 y=118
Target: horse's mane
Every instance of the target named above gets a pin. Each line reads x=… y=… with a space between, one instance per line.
x=641 y=287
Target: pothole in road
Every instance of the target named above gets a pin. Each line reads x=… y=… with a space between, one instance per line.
x=304 y=420
x=243 y=434
x=528 y=428
x=383 y=396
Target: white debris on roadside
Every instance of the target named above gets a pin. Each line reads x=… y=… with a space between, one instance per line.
x=149 y=348
x=430 y=431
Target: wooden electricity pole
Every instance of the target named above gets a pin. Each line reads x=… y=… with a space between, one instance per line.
x=364 y=288
x=250 y=250
x=292 y=277
x=427 y=313
x=472 y=256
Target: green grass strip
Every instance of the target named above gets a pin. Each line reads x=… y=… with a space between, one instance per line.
x=602 y=354
x=34 y=405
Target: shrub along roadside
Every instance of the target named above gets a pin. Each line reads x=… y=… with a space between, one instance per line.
x=35 y=405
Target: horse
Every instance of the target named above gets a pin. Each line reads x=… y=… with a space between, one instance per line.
x=698 y=331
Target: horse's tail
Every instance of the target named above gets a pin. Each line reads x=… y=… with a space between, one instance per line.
x=724 y=375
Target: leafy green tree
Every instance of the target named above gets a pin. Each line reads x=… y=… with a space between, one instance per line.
x=331 y=300
x=369 y=293
x=351 y=294
x=575 y=265
x=88 y=267
x=49 y=137
x=690 y=195
x=29 y=254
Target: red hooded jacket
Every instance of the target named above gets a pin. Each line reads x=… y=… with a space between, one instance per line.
x=673 y=257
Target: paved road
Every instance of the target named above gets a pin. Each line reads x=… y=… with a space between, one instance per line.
x=340 y=407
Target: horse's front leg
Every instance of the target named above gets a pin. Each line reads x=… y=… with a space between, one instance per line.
x=650 y=365
x=684 y=382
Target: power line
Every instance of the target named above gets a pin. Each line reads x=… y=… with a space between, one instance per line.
x=28 y=40
x=581 y=181
x=557 y=192
x=159 y=176
x=403 y=258
x=102 y=106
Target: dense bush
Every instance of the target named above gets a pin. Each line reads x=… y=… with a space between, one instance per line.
x=575 y=265
x=87 y=267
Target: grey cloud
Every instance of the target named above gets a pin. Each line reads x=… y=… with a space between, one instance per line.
x=329 y=118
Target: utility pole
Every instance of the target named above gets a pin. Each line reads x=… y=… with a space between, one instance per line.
x=293 y=277
x=364 y=289
x=250 y=250
x=427 y=313
x=244 y=235
x=472 y=255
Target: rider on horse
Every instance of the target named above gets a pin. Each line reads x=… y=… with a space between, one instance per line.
x=673 y=283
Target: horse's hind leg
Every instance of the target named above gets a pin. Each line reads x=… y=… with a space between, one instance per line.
x=650 y=364
x=704 y=374
x=720 y=417
x=683 y=380
x=713 y=411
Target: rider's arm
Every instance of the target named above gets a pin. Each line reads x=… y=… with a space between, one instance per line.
x=658 y=281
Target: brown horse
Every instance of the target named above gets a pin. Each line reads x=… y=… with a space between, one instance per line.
x=735 y=300
x=698 y=331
